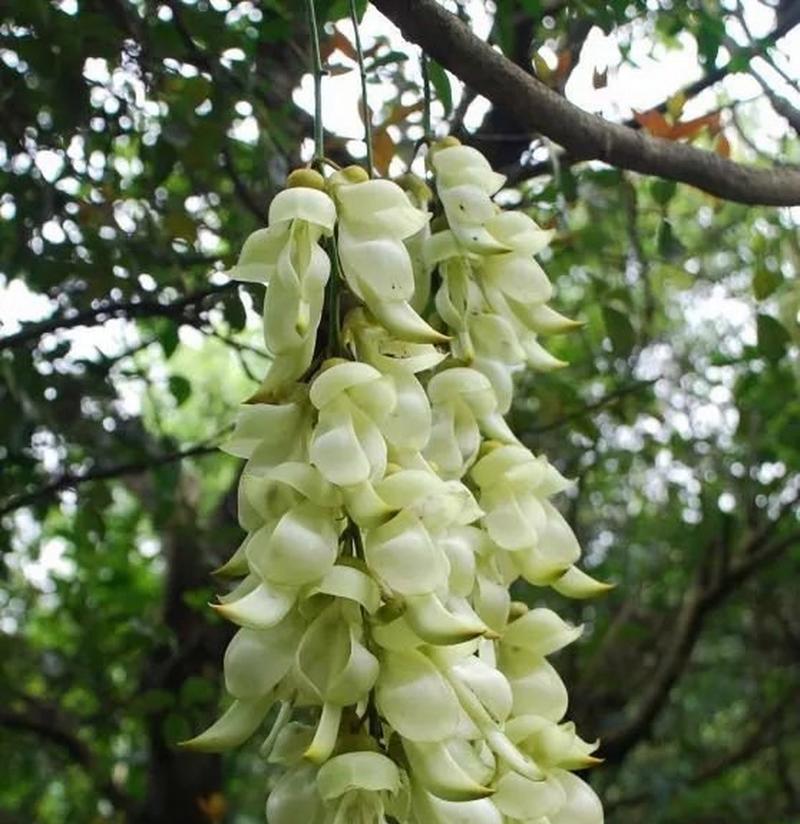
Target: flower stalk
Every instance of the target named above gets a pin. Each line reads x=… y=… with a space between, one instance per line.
x=388 y=508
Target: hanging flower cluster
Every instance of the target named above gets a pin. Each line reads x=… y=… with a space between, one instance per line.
x=388 y=508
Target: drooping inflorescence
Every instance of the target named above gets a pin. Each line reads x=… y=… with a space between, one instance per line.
x=388 y=508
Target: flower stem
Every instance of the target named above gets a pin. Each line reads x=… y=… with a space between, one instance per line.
x=363 y=75
x=319 y=148
x=426 y=96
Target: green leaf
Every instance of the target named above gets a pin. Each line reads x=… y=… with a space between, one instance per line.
x=387 y=60
x=441 y=84
x=765 y=281
x=772 y=337
x=167 y=333
x=663 y=191
x=180 y=388
x=234 y=312
x=619 y=330
x=669 y=247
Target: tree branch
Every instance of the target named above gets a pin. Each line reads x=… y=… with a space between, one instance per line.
x=702 y=597
x=51 y=724
x=583 y=135
x=73 y=479
x=107 y=309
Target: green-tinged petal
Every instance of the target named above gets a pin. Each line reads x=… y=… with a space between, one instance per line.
x=519 y=797
x=336 y=450
x=236 y=565
x=402 y=554
x=492 y=602
x=351 y=583
x=365 y=506
x=332 y=662
x=544 y=320
x=441 y=246
x=378 y=268
x=375 y=399
x=582 y=806
x=306 y=480
x=333 y=381
x=429 y=619
x=414 y=698
x=536 y=687
x=259 y=255
x=301 y=203
x=435 y=768
x=541 y=632
x=520 y=232
x=513 y=522
x=380 y=206
x=301 y=549
x=256 y=660
x=408 y=426
x=468 y=384
x=489 y=685
x=368 y=771
x=263 y=424
x=263 y=607
x=480 y=811
x=404 y=488
x=519 y=277
x=295 y=800
x=461 y=557
x=324 y=741
x=291 y=741
x=539 y=358
x=238 y=723
x=457 y=163
x=282 y=719
x=575 y=583
x=401 y=320
x=244 y=587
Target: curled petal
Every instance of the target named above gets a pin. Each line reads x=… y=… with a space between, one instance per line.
x=301 y=203
x=541 y=632
x=402 y=554
x=519 y=797
x=257 y=660
x=238 y=723
x=295 y=798
x=368 y=771
x=575 y=583
x=414 y=698
x=263 y=607
x=435 y=768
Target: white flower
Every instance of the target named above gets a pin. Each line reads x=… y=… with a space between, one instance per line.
x=375 y=216
x=464 y=405
x=515 y=487
x=286 y=256
x=353 y=399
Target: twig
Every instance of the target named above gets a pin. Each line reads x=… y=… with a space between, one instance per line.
x=108 y=309
x=606 y=400
x=318 y=70
x=70 y=480
x=363 y=75
x=426 y=96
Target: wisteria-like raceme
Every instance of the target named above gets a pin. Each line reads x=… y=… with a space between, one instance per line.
x=388 y=508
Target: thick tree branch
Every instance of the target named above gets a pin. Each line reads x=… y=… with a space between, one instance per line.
x=583 y=135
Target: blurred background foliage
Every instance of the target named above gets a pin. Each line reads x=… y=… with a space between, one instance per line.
x=140 y=142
